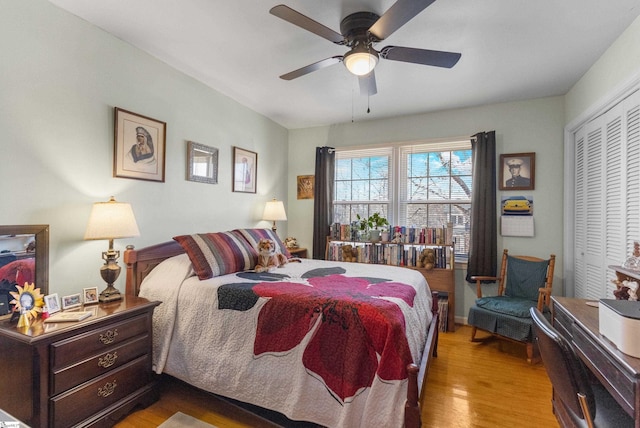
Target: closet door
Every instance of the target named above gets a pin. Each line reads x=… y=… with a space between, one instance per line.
x=607 y=196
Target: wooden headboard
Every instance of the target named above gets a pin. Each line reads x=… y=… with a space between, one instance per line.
x=141 y=262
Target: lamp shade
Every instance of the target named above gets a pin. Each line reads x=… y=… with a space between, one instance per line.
x=274 y=211
x=111 y=220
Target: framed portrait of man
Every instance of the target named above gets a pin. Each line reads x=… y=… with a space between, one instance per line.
x=517 y=171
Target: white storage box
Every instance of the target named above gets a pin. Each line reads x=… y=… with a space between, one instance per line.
x=620 y=323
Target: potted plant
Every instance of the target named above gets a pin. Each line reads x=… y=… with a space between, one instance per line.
x=376 y=222
x=363 y=227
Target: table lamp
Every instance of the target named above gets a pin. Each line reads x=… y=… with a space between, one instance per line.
x=274 y=211
x=111 y=220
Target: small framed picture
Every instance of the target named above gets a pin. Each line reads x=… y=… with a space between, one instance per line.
x=245 y=168
x=71 y=301
x=517 y=171
x=90 y=295
x=52 y=301
x=139 y=150
x=305 y=186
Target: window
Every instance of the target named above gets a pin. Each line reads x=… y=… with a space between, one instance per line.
x=362 y=184
x=413 y=185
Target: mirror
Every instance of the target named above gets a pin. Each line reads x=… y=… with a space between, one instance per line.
x=24 y=256
x=202 y=163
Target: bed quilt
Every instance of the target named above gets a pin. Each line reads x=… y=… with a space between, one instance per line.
x=325 y=342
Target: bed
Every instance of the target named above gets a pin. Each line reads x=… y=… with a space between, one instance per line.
x=332 y=343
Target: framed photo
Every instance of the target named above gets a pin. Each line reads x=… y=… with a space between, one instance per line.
x=90 y=295
x=139 y=147
x=71 y=301
x=305 y=186
x=517 y=171
x=245 y=168
x=52 y=301
x=202 y=163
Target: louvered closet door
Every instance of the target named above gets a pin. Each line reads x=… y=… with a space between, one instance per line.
x=607 y=196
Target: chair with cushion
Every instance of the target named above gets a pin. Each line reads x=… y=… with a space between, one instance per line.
x=577 y=401
x=524 y=282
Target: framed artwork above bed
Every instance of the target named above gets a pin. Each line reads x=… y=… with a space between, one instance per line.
x=139 y=146
x=245 y=168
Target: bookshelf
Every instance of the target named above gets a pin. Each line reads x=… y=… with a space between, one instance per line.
x=441 y=278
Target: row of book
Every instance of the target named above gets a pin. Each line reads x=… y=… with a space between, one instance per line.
x=398 y=234
x=389 y=254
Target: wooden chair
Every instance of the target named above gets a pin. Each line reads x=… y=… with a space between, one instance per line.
x=577 y=401
x=524 y=282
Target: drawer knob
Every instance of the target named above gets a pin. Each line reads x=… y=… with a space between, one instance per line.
x=109 y=336
x=107 y=389
x=108 y=360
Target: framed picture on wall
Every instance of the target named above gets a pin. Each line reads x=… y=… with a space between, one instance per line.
x=305 y=186
x=517 y=171
x=245 y=168
x=139 y=146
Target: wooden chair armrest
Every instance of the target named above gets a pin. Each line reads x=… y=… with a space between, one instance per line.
x=479 y=279
x=544 y=297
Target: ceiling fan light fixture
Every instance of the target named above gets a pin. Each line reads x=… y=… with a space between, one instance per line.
x=361 y=61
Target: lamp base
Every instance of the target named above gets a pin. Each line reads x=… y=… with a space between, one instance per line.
x=109 y=294
x=110 y=272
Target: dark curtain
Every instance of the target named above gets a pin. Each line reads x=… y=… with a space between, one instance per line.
x=323 y=199
x=483 y=246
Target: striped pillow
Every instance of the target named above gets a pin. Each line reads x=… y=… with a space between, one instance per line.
x=253 y=236
x=215 y=254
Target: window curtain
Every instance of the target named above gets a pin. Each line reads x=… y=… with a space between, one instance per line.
x=483 y=245
x=323 y=199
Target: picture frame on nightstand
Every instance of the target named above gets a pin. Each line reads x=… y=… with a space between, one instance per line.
x=52 y=302
x=90 y=295
x=71 y=301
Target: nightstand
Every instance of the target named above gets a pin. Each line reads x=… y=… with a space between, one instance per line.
x=86 y=373
x=298 y=252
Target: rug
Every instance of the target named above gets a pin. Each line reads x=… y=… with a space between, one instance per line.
x=180 y=420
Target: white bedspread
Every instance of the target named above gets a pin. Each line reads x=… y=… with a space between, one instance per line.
x=213 y=349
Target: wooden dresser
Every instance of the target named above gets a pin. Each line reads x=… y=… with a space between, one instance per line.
x=86 y=373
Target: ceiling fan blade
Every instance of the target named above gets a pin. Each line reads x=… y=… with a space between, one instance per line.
x=306 y=23
x=420 y=56
x=368 y=84
x=312 y=67
x=398 y=14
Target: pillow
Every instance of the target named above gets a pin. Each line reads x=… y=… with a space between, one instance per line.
x=252 y=236
x=215 y=254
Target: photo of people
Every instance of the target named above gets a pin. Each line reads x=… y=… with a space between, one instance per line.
x=90 y=295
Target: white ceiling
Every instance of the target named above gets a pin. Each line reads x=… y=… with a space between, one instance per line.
x=511 y=50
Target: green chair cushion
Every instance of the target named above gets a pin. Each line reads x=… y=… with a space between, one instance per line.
x=513 y=306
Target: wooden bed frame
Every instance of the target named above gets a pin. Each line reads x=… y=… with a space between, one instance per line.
x=140 y=262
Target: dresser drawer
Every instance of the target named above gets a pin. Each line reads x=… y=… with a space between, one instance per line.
x=75 y=374
x=78 y=348
x=90 y=398
x=609 y=371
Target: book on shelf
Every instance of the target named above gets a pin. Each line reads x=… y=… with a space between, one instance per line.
x=389 y=253
x=69 y=316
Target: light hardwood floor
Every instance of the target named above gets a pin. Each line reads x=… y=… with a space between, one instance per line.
x=470 y=385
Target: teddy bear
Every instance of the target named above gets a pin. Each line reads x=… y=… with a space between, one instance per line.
x=268 y=258
x=290 y=242
x=427 y=259
x=349 y=253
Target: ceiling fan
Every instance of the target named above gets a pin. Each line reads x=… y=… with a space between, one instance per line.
x=360 y=31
